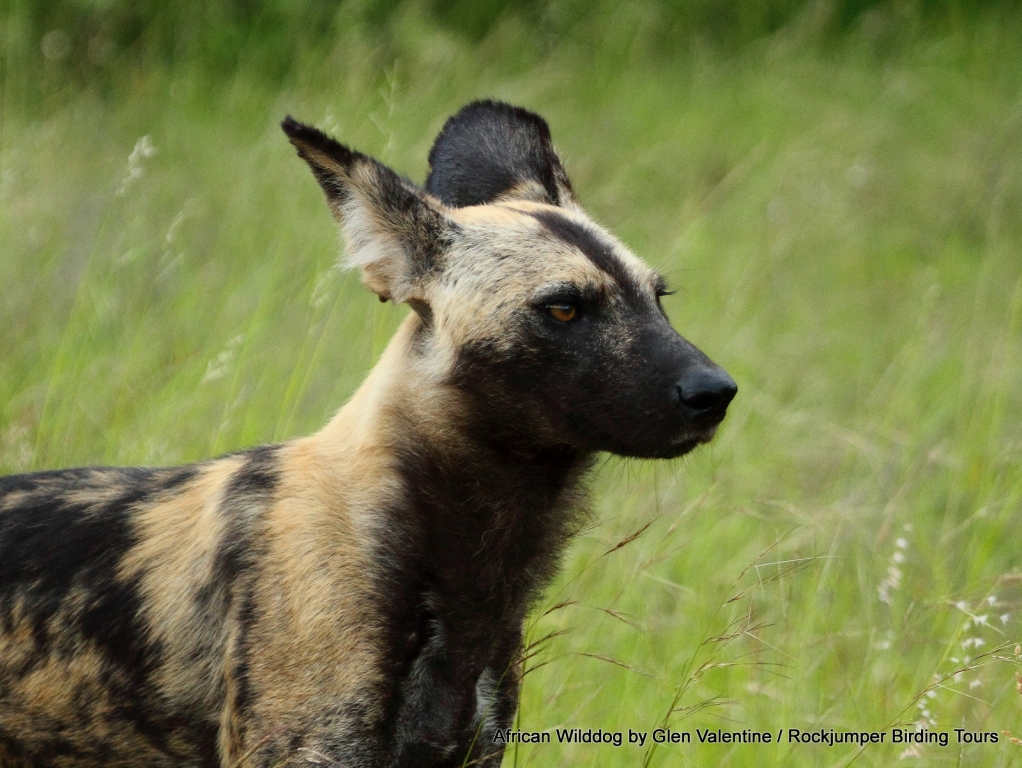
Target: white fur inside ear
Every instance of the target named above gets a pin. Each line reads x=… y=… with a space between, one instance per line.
x=379 y=253
x=387 y=224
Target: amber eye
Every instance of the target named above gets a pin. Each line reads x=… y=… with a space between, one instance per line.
x=564 y=313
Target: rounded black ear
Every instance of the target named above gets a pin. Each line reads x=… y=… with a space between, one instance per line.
x=493 y=151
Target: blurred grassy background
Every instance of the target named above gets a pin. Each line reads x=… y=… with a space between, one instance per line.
x=833 y=187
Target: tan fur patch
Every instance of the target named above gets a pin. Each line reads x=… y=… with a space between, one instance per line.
x=181 y=536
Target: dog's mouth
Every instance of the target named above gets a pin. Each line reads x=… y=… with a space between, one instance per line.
x=679 y=445
x=689 y=442
x=692 y=438
x=686 y=444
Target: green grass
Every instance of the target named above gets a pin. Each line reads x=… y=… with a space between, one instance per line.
x=842 y=223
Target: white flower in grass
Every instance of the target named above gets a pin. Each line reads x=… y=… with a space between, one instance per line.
x=894 y=575
x=143 y=150
x=218 y=368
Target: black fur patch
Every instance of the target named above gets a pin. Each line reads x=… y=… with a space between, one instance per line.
x=462 y=564
x=305 y=137
x=260 y=474
x=590 y=244
x=63 y=536
x=50 y=545
x=249 y=492
x=487 y=149
x=57 y=749
x=246 y=619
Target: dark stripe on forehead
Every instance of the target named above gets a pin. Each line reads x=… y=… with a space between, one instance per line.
x=590 y=243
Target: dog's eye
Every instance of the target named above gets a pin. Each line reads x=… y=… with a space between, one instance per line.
x=562 y=313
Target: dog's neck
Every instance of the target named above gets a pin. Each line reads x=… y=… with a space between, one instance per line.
x=487 y=514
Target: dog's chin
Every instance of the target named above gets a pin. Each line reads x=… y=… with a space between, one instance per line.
x=681 y=448
x=675 y=449
x=671 y=449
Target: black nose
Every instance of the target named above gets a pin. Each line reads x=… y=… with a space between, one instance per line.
x=706 y=392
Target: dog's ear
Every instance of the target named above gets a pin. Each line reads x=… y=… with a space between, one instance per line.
x=394 y=232
x=492 y=151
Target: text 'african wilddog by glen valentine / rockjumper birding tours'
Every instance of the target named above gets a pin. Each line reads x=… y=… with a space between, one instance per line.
x=360 y=594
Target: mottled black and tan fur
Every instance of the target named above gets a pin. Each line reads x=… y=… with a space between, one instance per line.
x=359 y=593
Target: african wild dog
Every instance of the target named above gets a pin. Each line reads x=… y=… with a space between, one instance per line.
x=360 y=592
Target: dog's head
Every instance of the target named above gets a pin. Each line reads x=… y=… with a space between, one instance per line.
x=550 y=323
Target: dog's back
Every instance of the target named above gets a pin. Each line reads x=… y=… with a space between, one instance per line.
x=77 y=652
x=129 y=599
x=115 y=587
